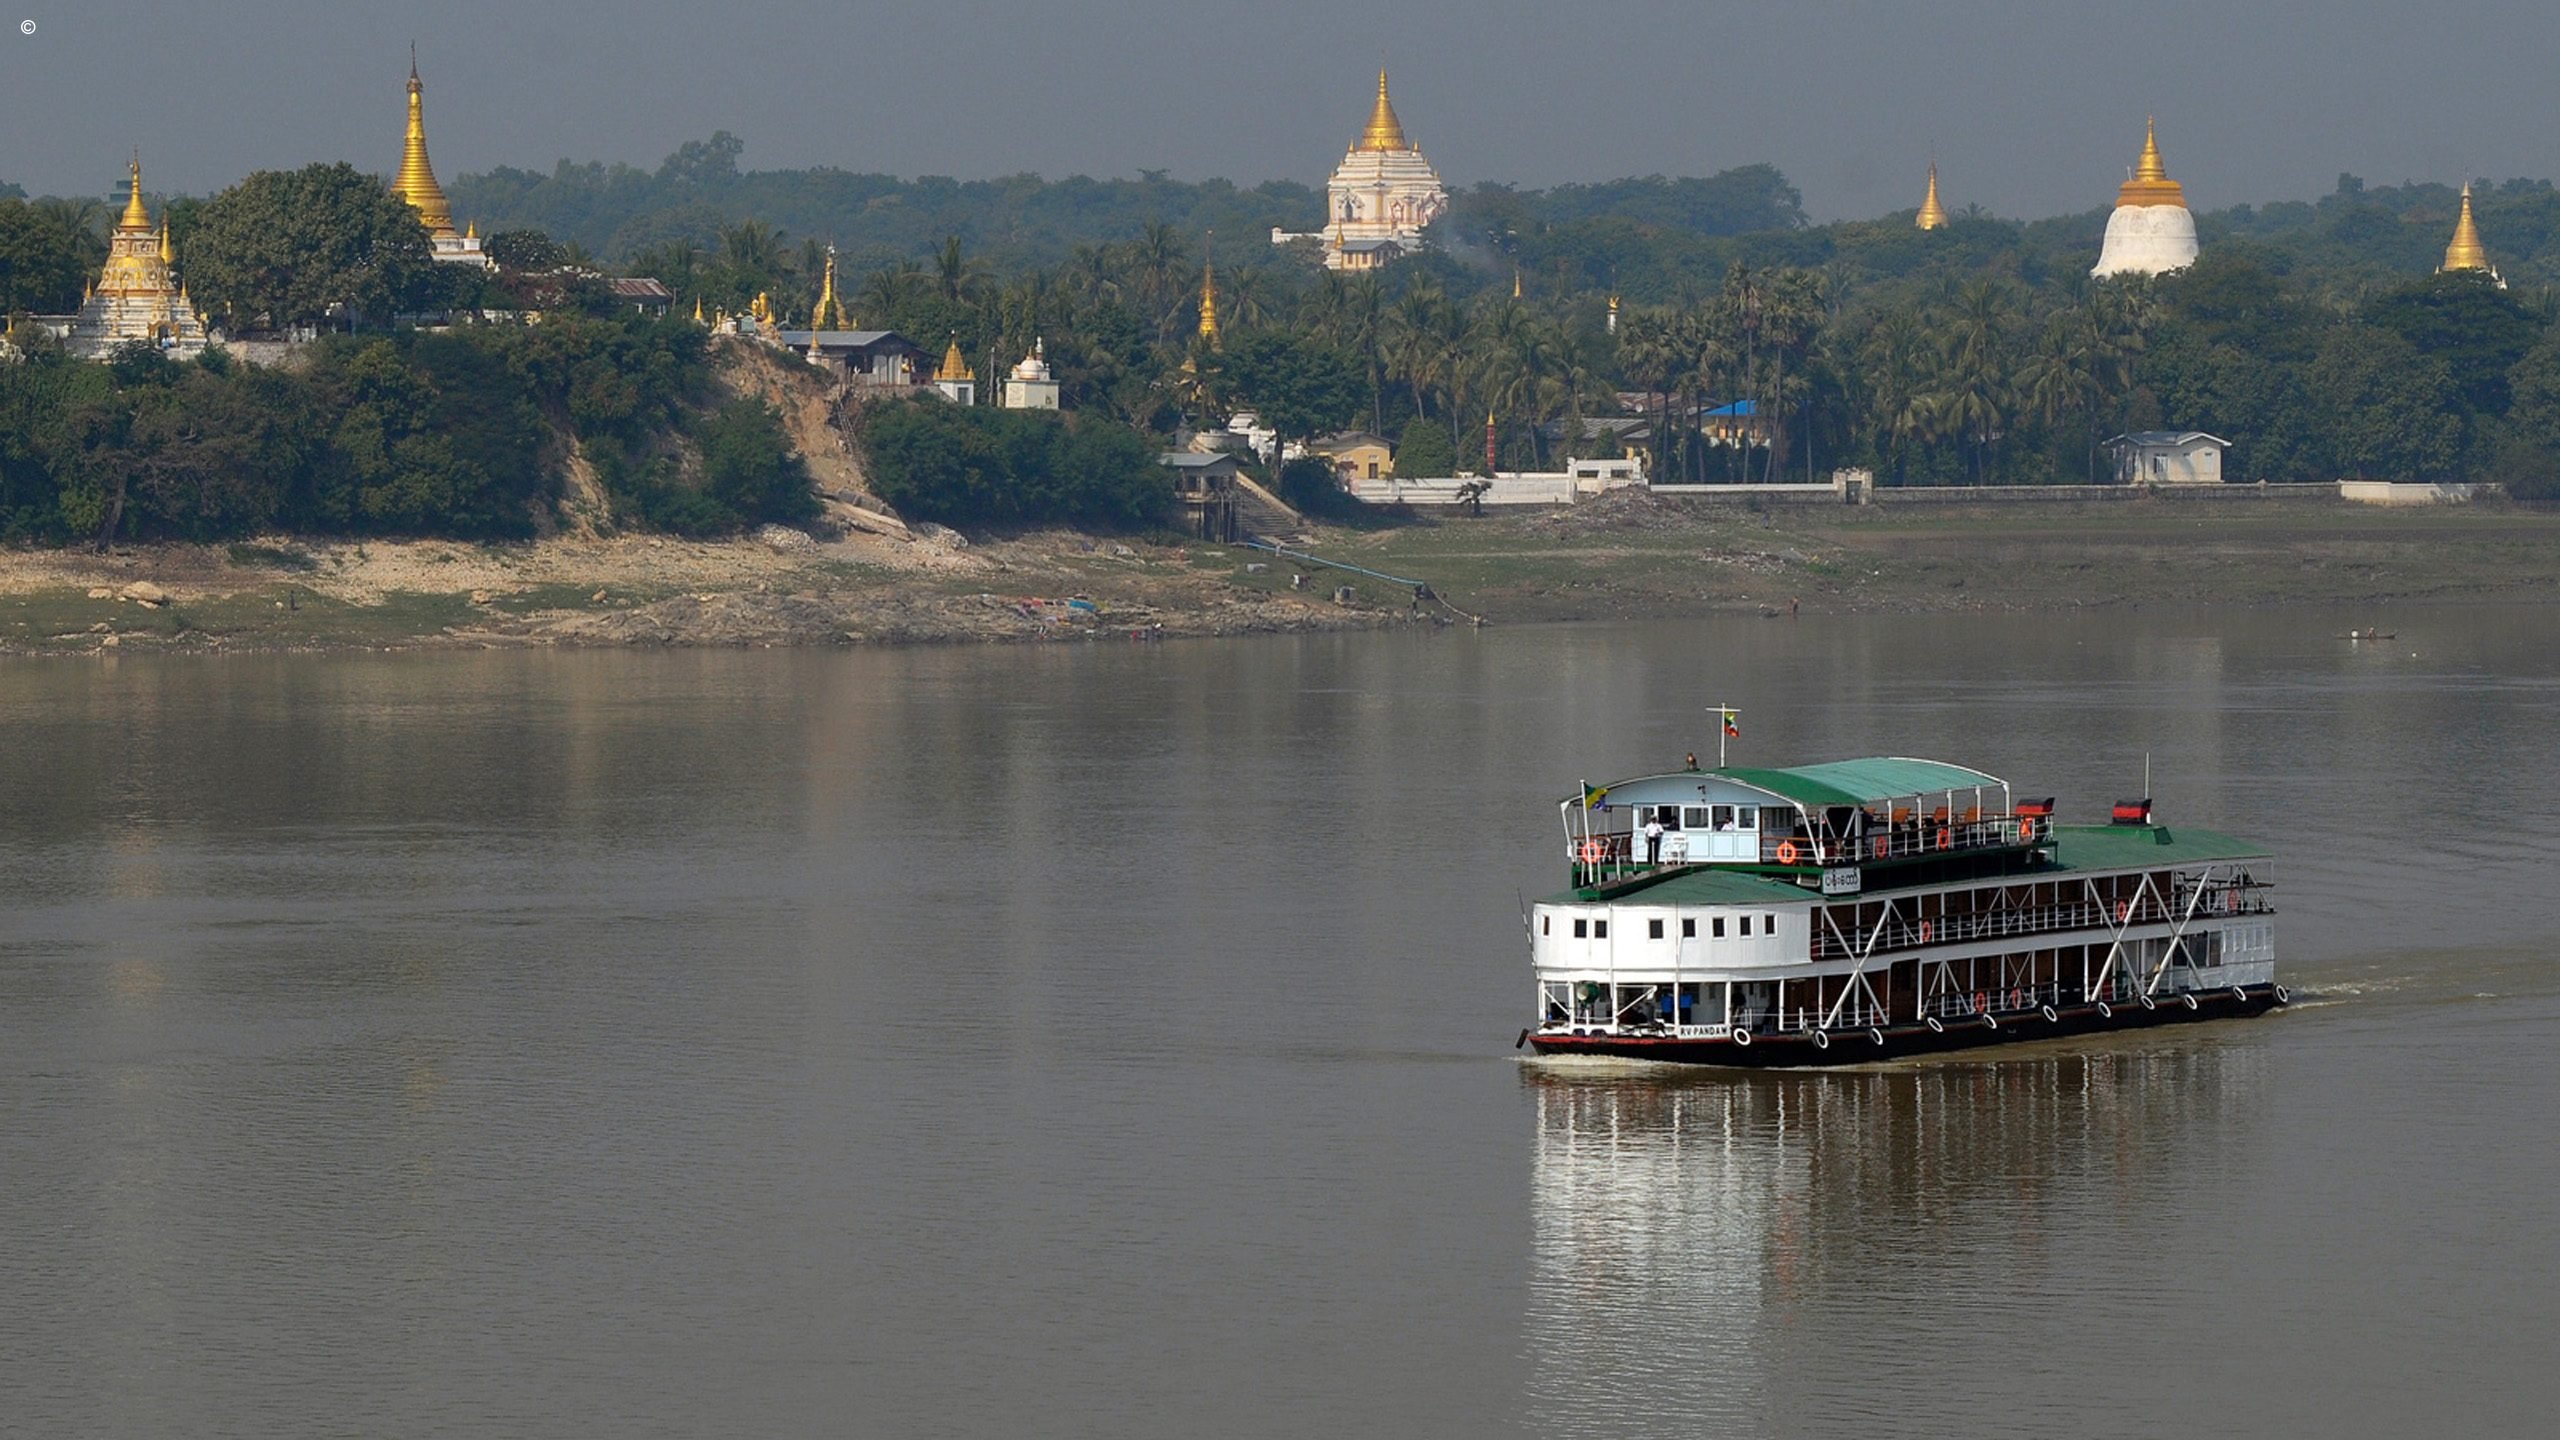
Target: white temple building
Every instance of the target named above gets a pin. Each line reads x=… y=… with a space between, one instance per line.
x=138 y=296
x=1380 y=197
x=2151 y=232
x=1030 y=385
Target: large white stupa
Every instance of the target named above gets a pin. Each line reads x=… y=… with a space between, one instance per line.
x=2151 y=231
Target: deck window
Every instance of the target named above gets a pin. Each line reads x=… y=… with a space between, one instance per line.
x=1746 y=927
x=1695 y=817
x=1599 y=929
x=1719 y=927
x=1653 y=929
x=1768 y=924
x=1746 y=817
x=1546 y=924
x=1689 y=928
x=1581 y=929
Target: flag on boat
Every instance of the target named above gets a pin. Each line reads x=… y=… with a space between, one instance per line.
x=1732 y=730
x=1592 y=794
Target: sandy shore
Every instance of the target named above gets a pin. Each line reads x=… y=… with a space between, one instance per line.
x=1627 y=556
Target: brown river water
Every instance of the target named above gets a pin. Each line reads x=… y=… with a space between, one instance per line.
x=1116 y=1041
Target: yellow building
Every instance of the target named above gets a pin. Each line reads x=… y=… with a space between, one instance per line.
x=138 y=295
x=1357 y=455
x=417 y=185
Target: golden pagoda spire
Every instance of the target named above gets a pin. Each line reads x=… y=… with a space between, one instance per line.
x=828 y=305
x=697 y=310
x=955 y=366
x=2466 y=252
x=135 y=216
x=1209 y=299
x=417 y=180
x=1385 y=132
x=1515 y=282
x=1933 y=216
x=165 y=252
x=2150 y=184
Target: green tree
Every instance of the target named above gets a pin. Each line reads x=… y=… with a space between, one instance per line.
x=314 y=245
x=1425 y=451
x=1301 y=388
x=750 y=469
x=2388 y=410
x=43 y=260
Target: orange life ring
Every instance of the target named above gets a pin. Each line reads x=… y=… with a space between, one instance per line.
x=1883 y=846
x=1924 y=932
x=2017 y=998
x=2026 y=829
x=2124 y=908
x=1946 y=837
x=1786 y=852
x=1981 y=1002
x=1593 y=851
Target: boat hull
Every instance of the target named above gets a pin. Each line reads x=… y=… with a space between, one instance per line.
x=1861 y=1047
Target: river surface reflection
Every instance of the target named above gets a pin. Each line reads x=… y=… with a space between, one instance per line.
x=1115 y=1041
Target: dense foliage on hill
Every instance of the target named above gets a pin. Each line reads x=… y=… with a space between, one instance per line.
x=2314 y=336
x=978 y=466
x=460 y=433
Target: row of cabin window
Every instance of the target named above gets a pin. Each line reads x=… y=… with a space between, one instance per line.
x=1599 y=929
x=1700 y=817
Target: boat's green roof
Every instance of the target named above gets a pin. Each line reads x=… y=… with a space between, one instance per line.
x=2124 y=847
x=1861 y=782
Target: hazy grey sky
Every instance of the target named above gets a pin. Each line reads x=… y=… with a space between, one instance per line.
x=2031 y=109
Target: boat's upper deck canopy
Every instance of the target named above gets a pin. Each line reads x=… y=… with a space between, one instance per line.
x=1872 y=782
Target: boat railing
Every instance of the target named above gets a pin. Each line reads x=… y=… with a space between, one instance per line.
x=1915 y=933
x=1901 y=840
x=1996 y=1001
x=1803 y=1019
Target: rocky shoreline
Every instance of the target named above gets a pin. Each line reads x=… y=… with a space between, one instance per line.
x=1629 y=557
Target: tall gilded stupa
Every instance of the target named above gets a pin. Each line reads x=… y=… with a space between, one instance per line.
x=1933 y=216
x=138 y=296
x=2466 y=252
x=417 y=185
x=2151 y=232
x=1380 y=197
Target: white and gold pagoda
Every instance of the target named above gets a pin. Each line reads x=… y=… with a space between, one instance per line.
x=2151 y=231
x=1380 y=197
x=417 y=185
x=138 y=295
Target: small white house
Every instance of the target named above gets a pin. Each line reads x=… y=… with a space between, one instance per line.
x=2168 y=457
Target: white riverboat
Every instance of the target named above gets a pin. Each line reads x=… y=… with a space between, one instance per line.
x=1866 y=909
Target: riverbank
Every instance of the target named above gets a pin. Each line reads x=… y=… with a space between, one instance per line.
x=1625 y=556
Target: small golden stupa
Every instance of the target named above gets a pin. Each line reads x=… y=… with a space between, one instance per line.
x=1933 y=216
x=2466 y=252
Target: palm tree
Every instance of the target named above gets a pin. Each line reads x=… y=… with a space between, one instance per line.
x=753 y=247
x=958 y=276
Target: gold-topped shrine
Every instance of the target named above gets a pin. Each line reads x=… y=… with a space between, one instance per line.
x=416 y=183
x=2150 y=231
x=1380 y=197
x=138 y=295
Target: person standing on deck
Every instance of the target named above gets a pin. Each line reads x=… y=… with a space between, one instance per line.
x=1653 y=840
